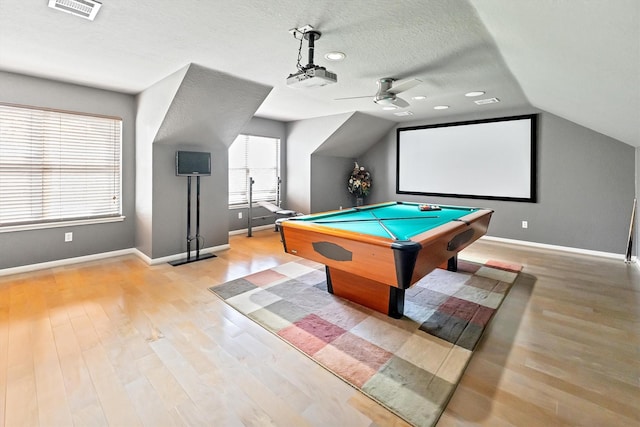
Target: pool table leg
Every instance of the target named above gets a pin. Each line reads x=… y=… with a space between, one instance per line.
x=452 y=263
x=370 y=293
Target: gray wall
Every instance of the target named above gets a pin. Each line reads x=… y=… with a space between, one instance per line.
x=329 y=177
x=343 y=136
x=636 y=239
x=585 y=188
x=151 y=106
x=304 y=137
x=170 y=201
x=36 y=246
x=579 y=171
x=196 y=109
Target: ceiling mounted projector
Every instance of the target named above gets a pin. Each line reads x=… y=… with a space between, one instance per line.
x=310 y=75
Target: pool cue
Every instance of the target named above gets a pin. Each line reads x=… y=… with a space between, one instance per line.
x=375 y=219
x=627 y=258
x=384 y=227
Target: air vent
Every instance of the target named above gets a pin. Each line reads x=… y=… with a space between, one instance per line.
x=487 y=101
x=84 y=8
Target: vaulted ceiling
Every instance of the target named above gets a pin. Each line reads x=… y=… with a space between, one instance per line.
x=577 y=59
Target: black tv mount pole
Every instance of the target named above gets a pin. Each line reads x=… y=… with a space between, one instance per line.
x=198 y=257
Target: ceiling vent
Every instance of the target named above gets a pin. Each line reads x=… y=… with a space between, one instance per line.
x=487 y=101
x=84 y=8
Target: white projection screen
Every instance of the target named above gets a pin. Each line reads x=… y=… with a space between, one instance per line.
x=484 y=159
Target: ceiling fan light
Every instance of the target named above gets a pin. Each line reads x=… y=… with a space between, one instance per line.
x=386 y=100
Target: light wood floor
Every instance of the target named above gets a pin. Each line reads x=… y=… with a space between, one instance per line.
x=120 y=343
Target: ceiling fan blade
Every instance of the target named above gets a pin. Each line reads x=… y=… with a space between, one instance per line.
x=404 y=85
x=400 y=103
x=354 y=97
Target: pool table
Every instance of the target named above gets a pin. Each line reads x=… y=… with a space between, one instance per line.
x=373 y=253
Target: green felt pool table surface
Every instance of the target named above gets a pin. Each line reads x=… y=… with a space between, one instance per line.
x=396 y=220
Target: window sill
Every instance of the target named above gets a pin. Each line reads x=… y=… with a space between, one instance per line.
x=72 y=223
x=246 y=205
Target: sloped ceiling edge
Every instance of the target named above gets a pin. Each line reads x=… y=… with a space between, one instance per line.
x=355 y=136
x=210 y=108
x=582 y=60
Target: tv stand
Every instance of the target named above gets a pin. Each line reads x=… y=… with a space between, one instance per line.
x=198 y=257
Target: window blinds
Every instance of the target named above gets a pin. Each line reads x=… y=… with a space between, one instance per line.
x=57 y=166
x=256 y=157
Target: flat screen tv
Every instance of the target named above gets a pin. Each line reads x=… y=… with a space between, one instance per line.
x=189 y=163
x=492 y=159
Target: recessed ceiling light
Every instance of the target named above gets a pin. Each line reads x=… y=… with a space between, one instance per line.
x=440 y=107
x=475 y=93
x=404 y=113
x=335 y=56
x=390 y=107
x=419 y=97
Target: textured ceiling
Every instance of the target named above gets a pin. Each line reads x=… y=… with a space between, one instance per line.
x=577 y=59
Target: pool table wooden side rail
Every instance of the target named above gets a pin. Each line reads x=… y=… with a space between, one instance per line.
x=444 y=242
x=371 y=256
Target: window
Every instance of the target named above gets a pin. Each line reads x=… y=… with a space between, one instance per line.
x=258 y=158
x=57 y=166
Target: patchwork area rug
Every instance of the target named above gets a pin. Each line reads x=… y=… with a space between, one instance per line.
x=409 y=365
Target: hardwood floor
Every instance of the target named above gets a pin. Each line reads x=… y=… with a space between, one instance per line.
x=120 y=343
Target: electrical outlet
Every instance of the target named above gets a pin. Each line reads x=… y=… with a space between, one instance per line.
x=68 y=237
x=525 y=224
x=239 y=215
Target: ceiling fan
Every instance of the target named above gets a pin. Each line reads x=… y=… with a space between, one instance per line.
x=387 y=91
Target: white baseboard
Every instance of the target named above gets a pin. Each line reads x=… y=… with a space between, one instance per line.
x=169 y=258
x=558 y=248
x=246 y=230
x=104 y=255
x=66 y=261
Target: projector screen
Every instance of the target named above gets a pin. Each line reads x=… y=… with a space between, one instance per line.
x=482 y=159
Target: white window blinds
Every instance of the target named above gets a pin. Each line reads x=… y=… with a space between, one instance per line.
x=256 y=157
x=57 y=166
